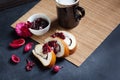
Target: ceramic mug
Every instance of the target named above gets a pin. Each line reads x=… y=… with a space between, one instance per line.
x=69 y=13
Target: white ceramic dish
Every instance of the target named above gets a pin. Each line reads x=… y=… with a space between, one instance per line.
x=41 y=31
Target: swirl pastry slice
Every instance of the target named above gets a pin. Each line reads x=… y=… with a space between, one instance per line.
x=68 y=38
x=45 y=55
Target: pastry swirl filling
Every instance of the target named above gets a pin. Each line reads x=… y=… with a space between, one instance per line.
x=45 y=56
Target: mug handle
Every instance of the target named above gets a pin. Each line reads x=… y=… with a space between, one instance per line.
x=81 y=13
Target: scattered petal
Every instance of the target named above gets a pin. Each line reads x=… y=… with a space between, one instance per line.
x=17 y=43
x=28 y=47
x=29 y=65
x=22 y=29
x=15 y=58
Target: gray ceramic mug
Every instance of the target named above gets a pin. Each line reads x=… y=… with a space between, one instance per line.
x=69 y=13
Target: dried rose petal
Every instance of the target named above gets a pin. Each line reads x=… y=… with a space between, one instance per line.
x=22 y=29
x=17 y=43
x=29 y=65
x=28 y=68
x=28 y=46
x=15 y=58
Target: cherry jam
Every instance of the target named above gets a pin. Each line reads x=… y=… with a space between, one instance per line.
x=39 y=23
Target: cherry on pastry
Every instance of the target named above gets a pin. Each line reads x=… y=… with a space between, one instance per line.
x=45 y=55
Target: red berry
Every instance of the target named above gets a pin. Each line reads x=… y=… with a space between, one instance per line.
x=46 y=48
x=56 y=68
x=58 y=34
x=39 y=23
x=55 y=46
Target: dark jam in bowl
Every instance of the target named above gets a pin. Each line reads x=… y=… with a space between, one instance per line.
x=39 y=23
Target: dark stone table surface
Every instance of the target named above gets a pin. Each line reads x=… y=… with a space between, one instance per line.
x=102 y=64
x=5 y=4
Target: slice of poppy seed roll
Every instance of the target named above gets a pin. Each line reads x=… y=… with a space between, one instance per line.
x=47 y=58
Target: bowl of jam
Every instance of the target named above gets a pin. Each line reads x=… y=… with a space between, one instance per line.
x=40 y=24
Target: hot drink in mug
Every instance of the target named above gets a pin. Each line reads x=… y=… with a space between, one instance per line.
x=69 y=13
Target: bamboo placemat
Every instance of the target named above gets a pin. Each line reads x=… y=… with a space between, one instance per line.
x=102 y=16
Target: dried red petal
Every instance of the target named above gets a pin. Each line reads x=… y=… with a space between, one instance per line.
x=29 y=65
x=15 y=58
x=28 y=46
x=17 y=43
x=28 y=68
x=22 y=29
